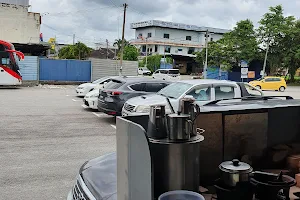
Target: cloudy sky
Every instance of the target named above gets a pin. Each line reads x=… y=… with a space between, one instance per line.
x=94 y=21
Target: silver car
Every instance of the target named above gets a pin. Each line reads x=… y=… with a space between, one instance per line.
x=204 y=91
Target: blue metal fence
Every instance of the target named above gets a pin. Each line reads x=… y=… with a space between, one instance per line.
x=214 y=73
x=29 y=68
x=65 y=70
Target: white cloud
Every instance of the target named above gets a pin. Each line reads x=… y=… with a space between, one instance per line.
x=96 y=20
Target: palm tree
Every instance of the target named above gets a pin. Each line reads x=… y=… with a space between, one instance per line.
x=118 y=43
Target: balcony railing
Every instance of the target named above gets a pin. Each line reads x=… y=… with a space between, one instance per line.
x=167 y=42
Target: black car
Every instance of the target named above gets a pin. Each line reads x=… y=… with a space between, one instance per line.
x=116 y=92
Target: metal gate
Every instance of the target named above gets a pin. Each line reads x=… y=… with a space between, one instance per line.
x=105 y=67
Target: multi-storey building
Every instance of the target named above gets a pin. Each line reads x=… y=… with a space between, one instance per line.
x=178 y=40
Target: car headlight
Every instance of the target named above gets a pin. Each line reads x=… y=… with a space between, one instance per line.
x=143 y=109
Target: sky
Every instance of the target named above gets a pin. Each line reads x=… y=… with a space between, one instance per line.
x=94 y=21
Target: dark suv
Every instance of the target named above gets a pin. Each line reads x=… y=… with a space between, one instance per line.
x=116 y=92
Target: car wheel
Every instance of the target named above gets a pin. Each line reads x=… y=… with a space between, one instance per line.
x=258 y=87
x=282 y=89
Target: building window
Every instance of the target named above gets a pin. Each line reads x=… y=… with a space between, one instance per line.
x=149 y=35
x=191 y=50
x=144 y=48
x=166 y=35
x=140 y=36
x=189 y=38
x=168 y=49
x=211 y=39
x=156 y=48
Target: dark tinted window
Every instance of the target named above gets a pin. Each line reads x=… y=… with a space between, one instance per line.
x=166 y=35
x=269 y=80
x=138 y=87
x=154 y=87
x=277 y=79
x=163 y=71
x=149 y=35
x=174 y=72
x=113 y=84
x=188 y=38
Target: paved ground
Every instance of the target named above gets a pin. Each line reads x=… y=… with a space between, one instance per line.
x=293 y=91
x=45 y=136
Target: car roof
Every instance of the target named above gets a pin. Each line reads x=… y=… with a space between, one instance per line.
x=206 y=81
x=137 y=79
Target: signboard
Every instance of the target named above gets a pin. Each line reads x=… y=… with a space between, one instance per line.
x=244 y=72
x=244 y=64
x=251 y=74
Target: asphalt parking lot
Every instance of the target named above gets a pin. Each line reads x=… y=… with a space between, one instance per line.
x=46 y=135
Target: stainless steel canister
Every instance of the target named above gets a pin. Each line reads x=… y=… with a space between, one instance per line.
x=157 y=122
x=179 y=126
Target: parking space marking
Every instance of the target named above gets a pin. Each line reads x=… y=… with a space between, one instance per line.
x=75 y=100
x=113 y=126
x=84 y=106
x=99 y=114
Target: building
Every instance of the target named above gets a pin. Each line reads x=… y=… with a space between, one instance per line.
x=178 y=40
x=20 y=27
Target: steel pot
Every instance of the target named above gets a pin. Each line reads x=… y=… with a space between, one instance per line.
x=235 y=171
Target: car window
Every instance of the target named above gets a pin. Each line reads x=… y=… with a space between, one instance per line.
x=224 y=92
x=157 y=72
x=277 y=79
x=154 y=87
x=252 y=91
x=164 y=71
x=138 y=87
x=100 y=80
x=174 y=72
x=113 y=84
x=201 y=93
x=268 y=80
x=175 y=90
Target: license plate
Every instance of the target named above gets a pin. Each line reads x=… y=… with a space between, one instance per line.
x=108 y=99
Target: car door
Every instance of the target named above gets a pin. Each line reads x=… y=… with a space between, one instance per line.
x=156 y=74
x=268 y=84
x=202 y=94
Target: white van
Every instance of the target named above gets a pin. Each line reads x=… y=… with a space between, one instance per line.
x=167 y=74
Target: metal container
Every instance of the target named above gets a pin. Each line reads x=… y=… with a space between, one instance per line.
x=179 y=127
x=234 y=172
x=175 y=165
x=157 y=122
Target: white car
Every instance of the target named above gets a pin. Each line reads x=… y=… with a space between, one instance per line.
x=167 y=74
x=203 y=91
x=91 y=98
x=85 y=88
x=144 y=71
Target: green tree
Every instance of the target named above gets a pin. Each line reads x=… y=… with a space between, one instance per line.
x=239 y=44
x=118 y=43
x=270 y=34
x=153 y=62
x=78 y=51
x=130 y=53
x=291 y=48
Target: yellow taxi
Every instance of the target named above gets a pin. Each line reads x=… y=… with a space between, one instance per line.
x=270 y=83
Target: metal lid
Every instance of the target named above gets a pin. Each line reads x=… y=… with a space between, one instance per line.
x=235 y=166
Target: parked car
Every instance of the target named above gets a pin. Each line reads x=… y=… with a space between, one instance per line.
x=91 y=98
x=85 y=88
x=167 y=74
x=97 y=179
x=119 y=90
x=203 y=91
x=144 y=71
x=270 y=83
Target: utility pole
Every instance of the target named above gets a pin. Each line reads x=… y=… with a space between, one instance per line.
x=106 y=49
x=146 y=53
x=73 y=39
x=265 y=61
x=206 y=54
x=164 y=55
x=125 y=5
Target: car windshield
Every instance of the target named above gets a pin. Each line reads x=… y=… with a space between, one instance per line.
x=174 y=72
x=99 y=80
x=175 y=90
x=113 y=84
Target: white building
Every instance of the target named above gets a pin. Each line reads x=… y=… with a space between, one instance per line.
x=20 y=27
x=175 y=39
